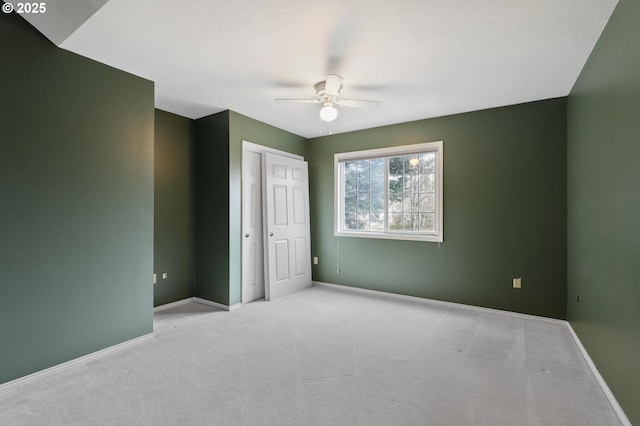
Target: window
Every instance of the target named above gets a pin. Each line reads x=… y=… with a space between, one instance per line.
x=393 y=193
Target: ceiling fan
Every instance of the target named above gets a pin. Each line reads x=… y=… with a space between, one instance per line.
x=328 y=94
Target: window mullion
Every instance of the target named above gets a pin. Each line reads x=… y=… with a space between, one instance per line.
x=342 y=198
x=386 y=194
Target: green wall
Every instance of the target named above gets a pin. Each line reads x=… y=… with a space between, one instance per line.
x=244 y=128
x=76 y=191
x=173 y=244
x=504 y=212
x=211 y=208
x=604 y=206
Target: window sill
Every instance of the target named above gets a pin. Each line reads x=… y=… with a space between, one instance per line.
x=389 y=236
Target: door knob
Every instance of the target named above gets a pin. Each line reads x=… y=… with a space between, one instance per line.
x=271 y=234
x=246 y=235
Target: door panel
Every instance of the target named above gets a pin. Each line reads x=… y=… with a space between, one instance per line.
x=256 y=200
x=298 y=174
x=286 y=220
x=281 y=253
x=280 y=214
x=300 y=250
x=279 y=171
x=299 y=213
x=253 y=244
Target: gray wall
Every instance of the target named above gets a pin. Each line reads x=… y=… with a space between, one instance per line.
x=504 y=212
x=173 y=207
x=76 y=187
x=604 y=206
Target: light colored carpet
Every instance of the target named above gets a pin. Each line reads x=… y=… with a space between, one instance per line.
x=326 y=356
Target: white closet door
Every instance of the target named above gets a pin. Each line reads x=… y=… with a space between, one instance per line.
x=253 y=246
x=287 y=236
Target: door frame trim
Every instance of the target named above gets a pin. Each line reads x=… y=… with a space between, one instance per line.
x=261 y=149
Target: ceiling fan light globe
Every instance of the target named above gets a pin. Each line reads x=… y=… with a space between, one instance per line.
x=328 y=113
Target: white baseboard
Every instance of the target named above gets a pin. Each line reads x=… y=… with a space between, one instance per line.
x=197 y=300
x=172 y=304
x=605 y=388
x=216 y=304
x=51 y=370
x=603 y=385
x=443 y=303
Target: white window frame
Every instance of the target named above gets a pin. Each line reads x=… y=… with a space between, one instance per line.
x=402 y=150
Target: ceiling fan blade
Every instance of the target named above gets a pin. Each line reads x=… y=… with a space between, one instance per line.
x=300 y=101
x=332 y=85
x=357 y=103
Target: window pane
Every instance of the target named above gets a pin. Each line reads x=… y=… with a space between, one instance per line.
x=427 y=222
x=377 y=222
x=411 y=164
x=363 y=183
x=395 y=166
x=363 y=202
x=377 y=167
x=395 y=187
x=411 y=183
x=350 y=178
x=349 y=168
x=428 y=183
x=395 y=221
x=363 y=221
x=410 y=222
x=377 y=185
x=377 y=203
x=428 y=203
x=350 y=204
x=395 y=184
x=395 y=202
x=428 y=163
x=350 y=222
x=411 y=203
x=363 y=169
x=412 y=191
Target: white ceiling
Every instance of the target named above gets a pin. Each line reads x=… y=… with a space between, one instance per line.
x=62 y=17
x=420 y=58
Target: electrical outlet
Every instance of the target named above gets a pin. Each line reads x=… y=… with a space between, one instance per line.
x=517 y=283
x=315 y=260
x=164 y=275
x=155 y=278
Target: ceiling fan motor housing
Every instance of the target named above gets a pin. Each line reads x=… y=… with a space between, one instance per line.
x=321 y=93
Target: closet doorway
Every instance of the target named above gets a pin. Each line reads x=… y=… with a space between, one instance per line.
x=276 y=252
